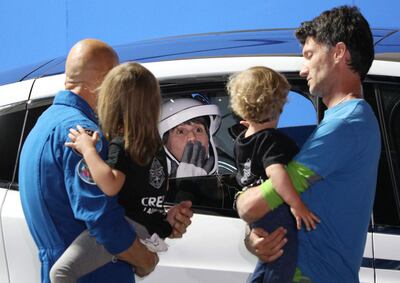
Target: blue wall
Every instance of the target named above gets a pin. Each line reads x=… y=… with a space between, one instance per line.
x=31 y=31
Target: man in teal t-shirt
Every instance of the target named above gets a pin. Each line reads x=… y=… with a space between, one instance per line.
x=348 y=144
x=336 y=169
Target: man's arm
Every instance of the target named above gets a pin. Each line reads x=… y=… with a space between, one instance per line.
x=251 y=205
x=140 y=257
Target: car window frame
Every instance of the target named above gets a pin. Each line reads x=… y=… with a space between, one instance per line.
x=378 y=83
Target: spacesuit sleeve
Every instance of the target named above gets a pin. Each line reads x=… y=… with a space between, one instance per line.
x=104 y=217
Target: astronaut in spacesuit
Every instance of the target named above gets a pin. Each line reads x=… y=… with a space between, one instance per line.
x=187 y=127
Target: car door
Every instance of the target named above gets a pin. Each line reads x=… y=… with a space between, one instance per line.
x=12 y=114
x=20 y=251
x=212 y=250
x=385 y=228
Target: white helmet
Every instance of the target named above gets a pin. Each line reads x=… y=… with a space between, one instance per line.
x=177 y=111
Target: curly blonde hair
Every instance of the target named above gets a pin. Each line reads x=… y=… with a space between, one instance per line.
x=258 y=94
x=128 y=105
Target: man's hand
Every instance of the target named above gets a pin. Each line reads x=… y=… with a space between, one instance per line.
x=267 y=247
x=194 y=161
x=140 y=257
x=179 y=217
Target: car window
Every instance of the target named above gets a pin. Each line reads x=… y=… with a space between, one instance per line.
x=386 y=207
x=214 y=194
x=11 y=121
x=34 y=110
x=298 y=120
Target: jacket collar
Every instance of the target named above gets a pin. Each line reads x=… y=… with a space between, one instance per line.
x=69 y=98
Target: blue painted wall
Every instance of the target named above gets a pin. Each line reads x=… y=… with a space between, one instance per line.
x=31 y=31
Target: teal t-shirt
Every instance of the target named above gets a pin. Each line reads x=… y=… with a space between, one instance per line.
x=344 y=151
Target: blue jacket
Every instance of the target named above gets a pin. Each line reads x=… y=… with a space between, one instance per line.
x=58 y=202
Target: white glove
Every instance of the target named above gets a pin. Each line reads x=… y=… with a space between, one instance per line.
x=194 y=161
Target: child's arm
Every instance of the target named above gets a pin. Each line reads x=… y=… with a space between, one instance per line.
x=284 y=187
x=109 y=180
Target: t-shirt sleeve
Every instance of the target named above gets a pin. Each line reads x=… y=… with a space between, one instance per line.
x=117 y=158
x=276 y=150
x=328 y=148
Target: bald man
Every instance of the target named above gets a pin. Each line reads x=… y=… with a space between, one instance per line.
x=58 y=199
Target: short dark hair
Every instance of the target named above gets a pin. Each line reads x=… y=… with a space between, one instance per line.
x=343 y=24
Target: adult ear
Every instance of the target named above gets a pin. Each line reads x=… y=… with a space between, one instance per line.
x=341 y=52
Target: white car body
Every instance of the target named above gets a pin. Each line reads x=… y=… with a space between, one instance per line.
x=212 y=250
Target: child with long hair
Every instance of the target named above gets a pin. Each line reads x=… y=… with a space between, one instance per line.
x=128 y=109
x=258 y=95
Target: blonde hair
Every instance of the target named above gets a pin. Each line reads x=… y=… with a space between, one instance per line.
x=129 y=104
x=258 y=94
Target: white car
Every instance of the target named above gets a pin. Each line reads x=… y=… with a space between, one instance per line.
x=212 y=250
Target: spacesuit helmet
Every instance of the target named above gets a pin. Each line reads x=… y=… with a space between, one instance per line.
x=177 y=111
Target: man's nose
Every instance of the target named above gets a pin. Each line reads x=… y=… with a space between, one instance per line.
x=303 y=71
x=191 y=136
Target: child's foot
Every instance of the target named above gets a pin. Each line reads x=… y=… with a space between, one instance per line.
x=155 y=244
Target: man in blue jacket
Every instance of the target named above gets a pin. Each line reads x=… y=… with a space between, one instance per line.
x=57 y=200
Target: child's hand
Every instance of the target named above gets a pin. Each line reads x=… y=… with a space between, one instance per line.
x=179 y=218
x=81 y=141
x=301 y=213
